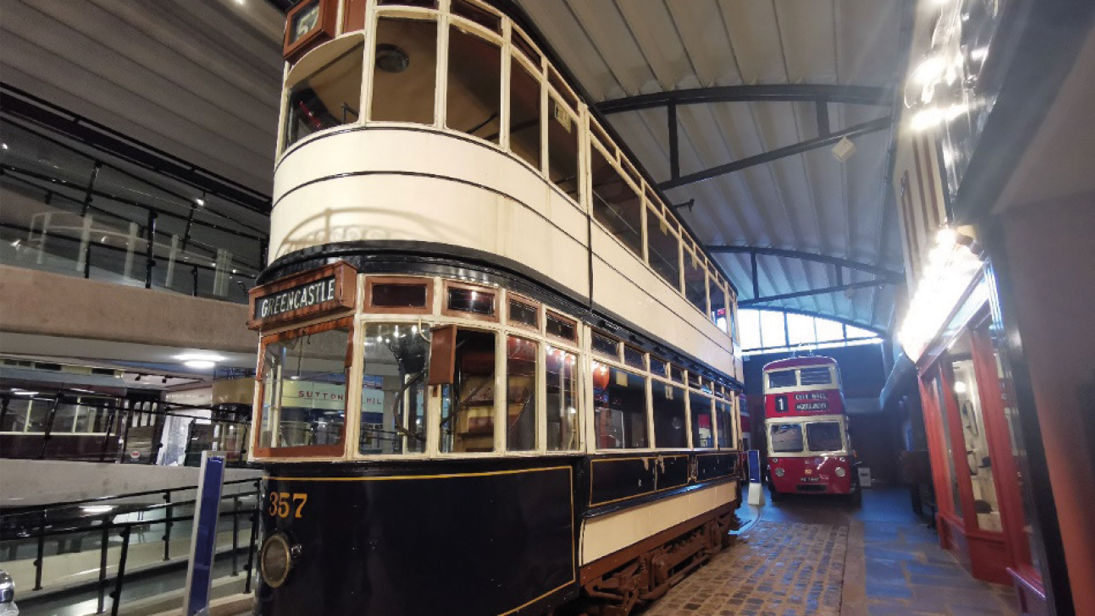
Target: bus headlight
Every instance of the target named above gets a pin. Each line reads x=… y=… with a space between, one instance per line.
x=840 y=472
x=276 y=559
x=779 y=472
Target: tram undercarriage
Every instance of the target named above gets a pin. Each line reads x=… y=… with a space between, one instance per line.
x=650 y=574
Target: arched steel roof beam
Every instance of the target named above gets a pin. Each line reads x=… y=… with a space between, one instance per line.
x=853 y=95
x=881 y=272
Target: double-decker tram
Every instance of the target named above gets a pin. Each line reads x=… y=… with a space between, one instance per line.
x=809 y=449
x=495 y=373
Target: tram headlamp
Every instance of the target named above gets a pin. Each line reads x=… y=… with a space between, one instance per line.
x=276 y=559
x=840 y=472
x=779 y=472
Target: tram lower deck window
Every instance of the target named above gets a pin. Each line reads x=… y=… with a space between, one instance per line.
x=619 y=405
x=304 y=388
x=393 y=389
x=726 y=427
x=669 y=418
x=562 y=400
x=521 y=359
x=467 y=404
x=703 y=430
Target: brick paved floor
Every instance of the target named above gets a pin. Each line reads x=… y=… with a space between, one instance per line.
x=774 y=569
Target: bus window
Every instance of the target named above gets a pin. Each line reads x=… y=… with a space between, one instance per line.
x=786 y=438
x=782 y=378
x=815 y=376
x=824 y=436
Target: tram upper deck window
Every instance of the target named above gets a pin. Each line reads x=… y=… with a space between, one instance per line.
x=663 y=248
x=786 y=438
x=467 y=404
x=615 y=204
x=405 y=70
x=782 y=378
x=524 y=112
x=304 y=375
x=563 y=148
x=619 y=407
x=393 y=389
x=695 y=281
x=521 y=358
x=328 y=97
x=659 y=367
x=523 y=313
x=475 y=85
x=562 y=400
x=815 y=376
x=669 y=415
x=604 y=345
x=478 y=14
x=718 y=307
x=561 y=327
x=824 y=436
x=634 y=357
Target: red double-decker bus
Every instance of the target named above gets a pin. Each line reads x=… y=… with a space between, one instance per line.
x=809 y=449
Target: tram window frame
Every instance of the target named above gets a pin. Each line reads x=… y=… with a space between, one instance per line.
x=396 y=17
x=676 y=374
x=694 y=414
x=406 y=449
x=637 y=358
x=523 y=44
x=725 y=433
x=464 y=314
x=557 y=106
x=491 y=381
x=672 y=278
x=661 y=391
x=513 y=298
x=628 y=415
x=475 y=34
x=561 y=87
x=518 y=65
x=305 y=451
x=696 y=264
x=573 y=414
x=552 y=315
x=477 y=13
x=620 y=214
x=662 y=369
x=313 y=65
x=605 y=338
x=533 y=395
x=371 y=282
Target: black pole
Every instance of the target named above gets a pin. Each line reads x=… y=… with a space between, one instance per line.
x=194 y=276
x=102 y=563
x=149 y=257
x=117 y=594
x=49 y=427
x=167 y=527
x=235 y=534
x=91 y=187
x=756 y=281
x=4 y=411
x=87 y=259
x=38 y=562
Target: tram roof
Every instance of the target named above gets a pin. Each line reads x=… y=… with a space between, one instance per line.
x=798 y=362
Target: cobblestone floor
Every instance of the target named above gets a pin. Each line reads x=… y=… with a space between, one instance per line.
x=774 y=569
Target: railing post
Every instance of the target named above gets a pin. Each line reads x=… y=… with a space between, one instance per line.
x=87 y=260
x=150 y=255
x=117 y=594
x=39 y=561
x=235 y=533
x=167 y=527
x=91 y=187
x=102 y=563
x=254 y=536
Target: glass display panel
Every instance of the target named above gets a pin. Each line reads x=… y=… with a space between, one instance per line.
x=561 y=328
x=615 y=204
x=940 y=401
x=562 y=400
x=824 y=436
x=563 y=147
x=970 y=415
x=523 y=313
x=605 y=346
x=782 y=378
x=467 y=405
x=474 y=98
x=404 y=77
x=726 y=424
x=703 y=427
x=634 y=357
x=524 y=114
x=471 y=300
x=399 y=295
x=479 y=15
x=785 y=438
x=304 y=390
x=393 y=389
x=328 y=98
x=521 y=359
x=669 y=416
x=619 y=408
x=695 y=282
x=663 y=249
x=815 y=376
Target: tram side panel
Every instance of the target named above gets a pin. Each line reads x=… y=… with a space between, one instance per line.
x=417 y=544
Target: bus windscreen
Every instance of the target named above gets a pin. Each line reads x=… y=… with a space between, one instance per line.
x=786 y=438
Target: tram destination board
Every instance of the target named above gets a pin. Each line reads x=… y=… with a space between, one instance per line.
x=303 y=296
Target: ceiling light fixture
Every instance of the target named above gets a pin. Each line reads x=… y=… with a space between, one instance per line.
x=199 y=364
x=391 y=59
x=96 y=508
x=210 y=357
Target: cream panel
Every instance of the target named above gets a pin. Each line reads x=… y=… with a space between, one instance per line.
x=395 y=207
x=630 y=290
x=605 y=535
x=424 y=151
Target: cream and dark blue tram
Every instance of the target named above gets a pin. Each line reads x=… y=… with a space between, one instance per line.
x=496 y=374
